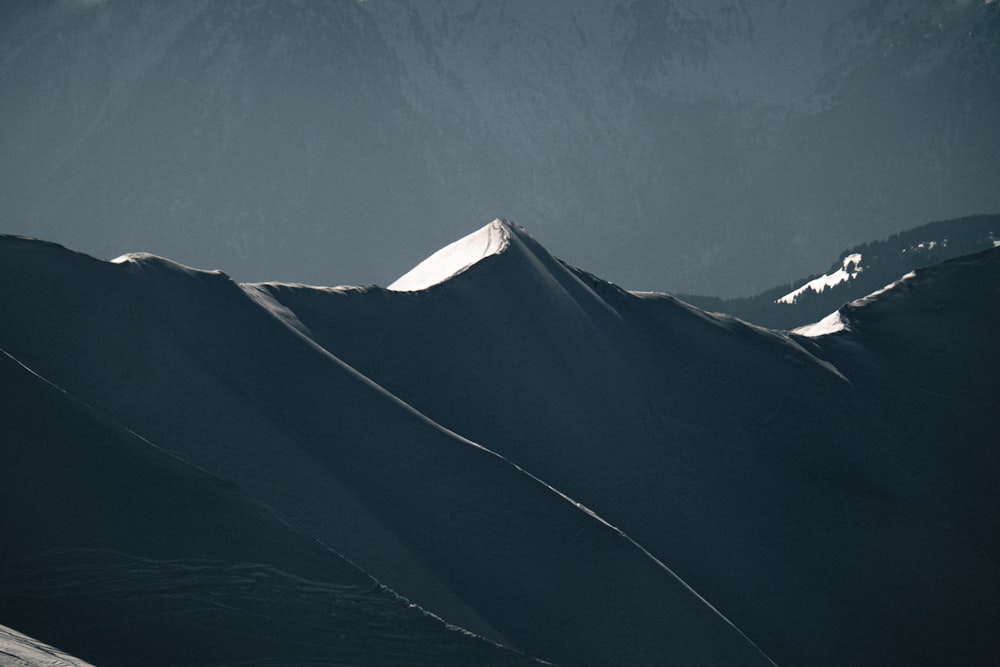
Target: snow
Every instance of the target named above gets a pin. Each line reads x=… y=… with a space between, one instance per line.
x=925 y=245
x=829 y=280
x=18 y=650
x=148 y=259
x=832 y=323
x=835 y=321
x=455 y=258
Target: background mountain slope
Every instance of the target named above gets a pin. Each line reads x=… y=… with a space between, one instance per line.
x=668 y=146
x=859 y=271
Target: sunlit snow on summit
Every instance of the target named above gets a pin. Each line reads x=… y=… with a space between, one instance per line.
x=455 y=257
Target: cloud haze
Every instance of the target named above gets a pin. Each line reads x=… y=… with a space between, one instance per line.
x=714 y=147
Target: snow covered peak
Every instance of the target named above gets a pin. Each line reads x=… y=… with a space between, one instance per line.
x=456 y=257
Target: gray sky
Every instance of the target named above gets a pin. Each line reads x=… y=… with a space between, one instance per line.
x=708 y=147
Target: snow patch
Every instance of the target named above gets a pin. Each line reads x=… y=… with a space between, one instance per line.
x=832 y=323
x=455 y=258
x=20 y=650
x=851 y=266
x=127 y=257
x=925 y=246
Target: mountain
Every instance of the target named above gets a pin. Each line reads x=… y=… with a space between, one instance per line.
x=129 y=555
x=648 y=406
x=859 y=271
x=582 y=473
x=667 y=146
x=457 y=528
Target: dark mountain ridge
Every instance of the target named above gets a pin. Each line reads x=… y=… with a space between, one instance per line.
x=464 y=531
x=586 y=474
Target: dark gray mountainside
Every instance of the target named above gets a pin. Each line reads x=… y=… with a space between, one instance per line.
x=668 y=145
x=128 y=556
x=585 y=474
x=859 y=271
x=223 y=376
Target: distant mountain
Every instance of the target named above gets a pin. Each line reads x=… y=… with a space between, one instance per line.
x=584 y=474
x=665 y=145
x=859 y=271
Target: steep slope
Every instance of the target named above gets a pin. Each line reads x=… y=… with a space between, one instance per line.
x=754 y=467
x=126 y=555
x=190 y=359
x=924 y=351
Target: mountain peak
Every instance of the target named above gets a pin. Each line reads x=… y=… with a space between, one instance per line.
x=456 y=257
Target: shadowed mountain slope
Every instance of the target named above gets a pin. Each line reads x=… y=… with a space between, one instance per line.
x=765 y=476
x=471 y=443
x=193 y=361
x=126 y=555
x=924 y=350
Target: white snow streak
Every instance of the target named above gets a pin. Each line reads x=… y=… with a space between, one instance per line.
x=892 y=285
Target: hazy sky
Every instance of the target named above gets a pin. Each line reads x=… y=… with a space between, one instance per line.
x=710 y=147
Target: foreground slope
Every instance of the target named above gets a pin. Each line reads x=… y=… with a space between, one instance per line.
x=763 y=469
x=123 y=554
x=18 y=650
x=924 y=348
x=224 y=377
